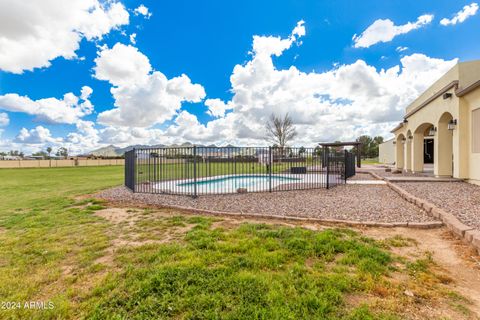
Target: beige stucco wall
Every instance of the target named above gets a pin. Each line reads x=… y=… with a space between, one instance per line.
x=472 y=102
x=386 y=152
x=59 y=163
x=466 y=164
x=451 y=75
x=418 y=122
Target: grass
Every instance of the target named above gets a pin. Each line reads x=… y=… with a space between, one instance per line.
x=41 y=231
x=160 y=265
x=370 y=161
x=255 y=271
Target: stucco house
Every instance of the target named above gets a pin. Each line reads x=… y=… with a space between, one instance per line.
x=442 y=126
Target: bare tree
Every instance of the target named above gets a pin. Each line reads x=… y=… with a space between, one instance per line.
x=280 y=131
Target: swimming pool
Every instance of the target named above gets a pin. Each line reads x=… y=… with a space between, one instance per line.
x=229 y=183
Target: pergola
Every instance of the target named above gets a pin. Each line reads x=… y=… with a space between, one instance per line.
x=345 y=144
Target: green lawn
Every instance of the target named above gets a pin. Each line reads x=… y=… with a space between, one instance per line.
x=159 y=264
x=370 y=161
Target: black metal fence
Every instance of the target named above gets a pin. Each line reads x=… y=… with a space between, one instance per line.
x=220 y=170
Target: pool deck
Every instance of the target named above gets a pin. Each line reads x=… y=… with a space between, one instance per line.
x=213 y=184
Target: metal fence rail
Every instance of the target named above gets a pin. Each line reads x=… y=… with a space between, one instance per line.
x=221 y=170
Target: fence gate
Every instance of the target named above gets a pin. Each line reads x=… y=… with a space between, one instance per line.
x=130 y=169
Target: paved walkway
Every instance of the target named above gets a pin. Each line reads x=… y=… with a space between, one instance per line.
x=420 y=179
x=404 y=176
x=366 y=182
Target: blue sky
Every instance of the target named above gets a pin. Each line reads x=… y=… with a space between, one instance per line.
x=205 y=40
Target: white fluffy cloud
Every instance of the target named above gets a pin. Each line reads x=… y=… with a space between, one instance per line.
x=51 y=110
x=462 y=15
x=217 y=108
x=339 y=104
x=52 y=29
x=38 y=135
x=122 y=65
x=384 y=30
x=143 y=97
x=142 y=10
x=4 y=119
x=133 y=38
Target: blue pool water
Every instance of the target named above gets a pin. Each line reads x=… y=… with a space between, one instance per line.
x=231 y=183
x=240 y=181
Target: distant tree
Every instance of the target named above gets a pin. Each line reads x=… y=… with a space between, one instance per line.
x=369 y=146
x=3 y=154
x=49 y=151
x=301 y=151
x=365 y=145
x=280 y=131
x=16 y=153
x=375 y=145
x=62 y=152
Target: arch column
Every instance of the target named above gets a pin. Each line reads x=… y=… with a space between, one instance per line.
x=408 y=153
x=444 y=146
x=417 y=152
x=399 y=153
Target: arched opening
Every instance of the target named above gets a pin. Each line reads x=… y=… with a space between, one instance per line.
x=408 y=151
x=444 y=156
x=399 y=149
x=423 y=148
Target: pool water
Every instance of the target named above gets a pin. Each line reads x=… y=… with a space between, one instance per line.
x=228 y=184
x=241 y=181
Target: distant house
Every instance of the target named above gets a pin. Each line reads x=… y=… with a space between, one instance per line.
x=11 y=158
x=442 y=126
x=386 y=152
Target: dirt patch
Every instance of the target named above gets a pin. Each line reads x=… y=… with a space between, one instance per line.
x=67 y=270
x=455 y=262
x=455 y=258
x=116 y=215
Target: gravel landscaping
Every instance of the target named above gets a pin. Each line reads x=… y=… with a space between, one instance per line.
x=459 y=198
x=372 y=203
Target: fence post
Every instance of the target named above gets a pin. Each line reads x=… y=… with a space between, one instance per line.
x=270 y=162
x=194 y=171
x=345 y=166
x=327 y=158
x=133 y=160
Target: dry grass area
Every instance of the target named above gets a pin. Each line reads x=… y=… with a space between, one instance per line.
x=431 y=275
x=93 y=260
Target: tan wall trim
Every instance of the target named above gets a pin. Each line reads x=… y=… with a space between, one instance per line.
x=468 y=89
x=399 y=126
x=453 y=84
x=458 y=93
